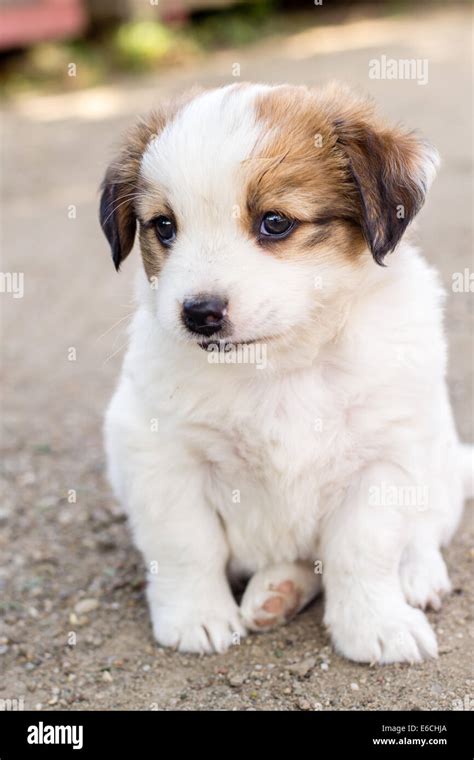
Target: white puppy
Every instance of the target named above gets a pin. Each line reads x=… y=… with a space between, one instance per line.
x=282 y=413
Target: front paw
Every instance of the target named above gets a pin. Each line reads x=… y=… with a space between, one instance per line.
x=393 y=633
x=191 y=627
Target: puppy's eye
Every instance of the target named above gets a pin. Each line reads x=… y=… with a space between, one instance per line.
x=165 y=229
x=275 y=225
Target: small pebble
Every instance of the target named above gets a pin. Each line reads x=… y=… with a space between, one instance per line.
x=86 y=605
x=304 y=667
x=303 y=704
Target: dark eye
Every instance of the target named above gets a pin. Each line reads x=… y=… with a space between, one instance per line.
x=165 y=229
x=275 y=224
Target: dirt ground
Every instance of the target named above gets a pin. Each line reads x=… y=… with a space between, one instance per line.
x=62 y=347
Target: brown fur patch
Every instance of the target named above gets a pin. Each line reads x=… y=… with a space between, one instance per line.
x=328 y=162
x=298 y=171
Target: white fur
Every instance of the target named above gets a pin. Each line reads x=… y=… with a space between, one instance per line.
x=250 y=467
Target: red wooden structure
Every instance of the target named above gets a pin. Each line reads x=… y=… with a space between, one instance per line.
x=23 y=22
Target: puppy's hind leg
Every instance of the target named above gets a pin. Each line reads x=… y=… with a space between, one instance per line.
x=423 y=575
x=276 y=594
x=362 y=544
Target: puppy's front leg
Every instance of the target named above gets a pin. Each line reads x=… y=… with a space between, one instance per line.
x=366 y=612
x=184 y=546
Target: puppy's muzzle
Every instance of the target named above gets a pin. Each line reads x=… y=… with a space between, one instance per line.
x=204 y=315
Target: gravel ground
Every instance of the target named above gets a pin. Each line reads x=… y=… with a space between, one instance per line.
x=75 y=631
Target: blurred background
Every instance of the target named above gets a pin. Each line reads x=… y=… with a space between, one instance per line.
x=73 y=75
x=106 y=39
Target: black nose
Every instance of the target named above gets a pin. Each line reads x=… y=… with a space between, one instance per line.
x=204 y=315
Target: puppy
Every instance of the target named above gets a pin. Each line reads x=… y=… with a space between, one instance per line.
x=282 y=414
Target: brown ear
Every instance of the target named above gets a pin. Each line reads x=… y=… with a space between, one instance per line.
x=122 y=184
x=392 y=170
x=121 y=187
x=117 y=216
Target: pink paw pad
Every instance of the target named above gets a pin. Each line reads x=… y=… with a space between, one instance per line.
x=281 y=605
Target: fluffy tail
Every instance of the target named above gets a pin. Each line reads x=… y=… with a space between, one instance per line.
x=467 y=469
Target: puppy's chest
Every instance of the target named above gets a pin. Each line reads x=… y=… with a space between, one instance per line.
x=271 y=462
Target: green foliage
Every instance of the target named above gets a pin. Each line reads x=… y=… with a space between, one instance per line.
x=143 y=44
x=236 y=26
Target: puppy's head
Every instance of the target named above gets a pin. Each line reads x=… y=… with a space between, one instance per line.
x=258 y=207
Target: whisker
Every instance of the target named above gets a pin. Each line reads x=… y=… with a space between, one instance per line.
x=124 y=345
x=116 y=324
x=124 y=199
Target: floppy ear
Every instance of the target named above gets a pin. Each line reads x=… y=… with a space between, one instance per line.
x=122 y=183
x=121 y=186
x=117 y=216
x=392 y=170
